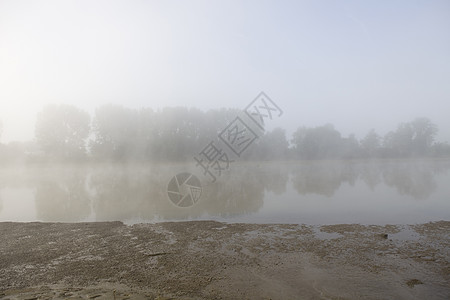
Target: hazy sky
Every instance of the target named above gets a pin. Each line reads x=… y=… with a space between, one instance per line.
x=356 y=64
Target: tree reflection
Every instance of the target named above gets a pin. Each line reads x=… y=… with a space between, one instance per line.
x=240 y=192
x=122 y=193
x=416 y=180
x=273 y=176
x=411 y=178
x=322 y=178
x=139 y=192
x=61 y=195
x=370 y=173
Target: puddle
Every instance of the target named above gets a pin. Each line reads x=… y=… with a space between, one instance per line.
x=406 y=234
x=321 y=235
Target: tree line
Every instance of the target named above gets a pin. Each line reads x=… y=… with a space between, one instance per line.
x=117 y=133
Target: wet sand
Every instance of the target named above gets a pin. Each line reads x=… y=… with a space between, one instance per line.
x=211 y=260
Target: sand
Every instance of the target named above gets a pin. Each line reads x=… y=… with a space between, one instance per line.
x=211 y=260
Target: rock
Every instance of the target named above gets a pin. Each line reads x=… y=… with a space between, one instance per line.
x=412 y=282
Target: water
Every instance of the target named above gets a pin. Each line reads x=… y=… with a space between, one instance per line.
x=327 y=192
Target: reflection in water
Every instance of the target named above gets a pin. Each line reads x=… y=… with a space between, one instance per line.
x=139 y=192
x=322 y=178
x=61 y=195
x=325 y=178
x=122 y=193
x=416 y=180
x=370 y=174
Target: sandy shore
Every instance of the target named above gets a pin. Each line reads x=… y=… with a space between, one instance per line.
x=211 y=260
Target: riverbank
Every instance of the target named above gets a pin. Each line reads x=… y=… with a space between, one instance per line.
x=212 y=260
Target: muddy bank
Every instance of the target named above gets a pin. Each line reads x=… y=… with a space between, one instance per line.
x=211 y=260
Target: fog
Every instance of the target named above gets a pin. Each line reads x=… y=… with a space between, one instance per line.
x=341 y=97
x=355 y=65
x=232 y=149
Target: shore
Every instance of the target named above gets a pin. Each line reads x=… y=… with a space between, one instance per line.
x=212 y=260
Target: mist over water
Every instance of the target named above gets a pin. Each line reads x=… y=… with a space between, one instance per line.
x=128 y=127
x=103 y=103
x=312 y=192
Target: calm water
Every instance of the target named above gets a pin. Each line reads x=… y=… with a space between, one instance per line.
x=395 y=192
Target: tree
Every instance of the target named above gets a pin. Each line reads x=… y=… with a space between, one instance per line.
x=181 y=132
x=412 y=138
x=61 y=131
x=424 y=132
x=350 y=147
x=272 y=146
x=115 y=129
x=440 y=149
x=317 y=143
x=170 y=134
x=177 y=134
x=370 y=144
x=399 y=142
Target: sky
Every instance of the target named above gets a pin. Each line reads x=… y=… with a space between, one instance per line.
x=356 y=64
